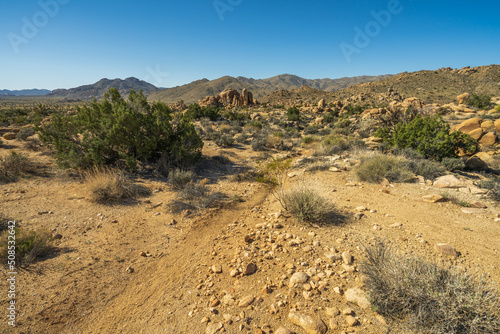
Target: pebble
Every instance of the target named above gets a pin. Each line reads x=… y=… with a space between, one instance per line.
x=347 y=257
x=446 y=249
x=351 y=321
x=214 y=328
x=357 y=296
x=217 y=268
x=246 y=301
x=298 y=278
x=250 y=269
x=283 y=330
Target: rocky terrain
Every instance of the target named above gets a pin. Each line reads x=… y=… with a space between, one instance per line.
x=247 y=265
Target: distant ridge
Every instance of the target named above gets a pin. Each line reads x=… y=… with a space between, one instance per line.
x=98 y=89
x=24 y=92
x=197 y=90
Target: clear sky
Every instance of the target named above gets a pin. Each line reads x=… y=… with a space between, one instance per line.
x=67 y=43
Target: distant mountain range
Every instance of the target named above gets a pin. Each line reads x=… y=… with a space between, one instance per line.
x=197 y=90
x=98 y=89
x=24 y=92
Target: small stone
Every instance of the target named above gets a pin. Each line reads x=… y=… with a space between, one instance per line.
x=357 y=296
x=347 y=257
x=479 y=205
x=310 y=324
x=57 y=236
x=473 y=211
x=358 y=215
x=130 y=270
x=351 y=321
x=250 y=269
x=332 y=312
x=246 y=301
x=216 y=268
x=283 y=330
x=333 y=257
x=215 y=303
x=214 y=328
x=361 y=209
x=396 y=225
x=234 y=273
x=298 y=278
x=433 y=198
x=347 y=311
x=348 y=268
x=205 y=320
x=447 y=181
x=143 y=254
x=446 y=249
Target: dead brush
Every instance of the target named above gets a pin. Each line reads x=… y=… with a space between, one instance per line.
x=107 y=185
x=14 y=165
x=428 y=298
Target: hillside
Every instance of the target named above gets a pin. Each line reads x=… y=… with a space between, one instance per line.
x=98 y=89
x=197 y=90
x=439 y=86
x=24 y=92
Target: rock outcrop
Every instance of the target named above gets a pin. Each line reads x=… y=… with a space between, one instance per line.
x=229 y=98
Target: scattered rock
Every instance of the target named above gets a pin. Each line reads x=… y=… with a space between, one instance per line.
x=216 y=269
x=283 y=330
x=250 y=269
x=130 y=270
x=446 y=249
x=396 y=225
x=332 y=312
x=246 y=301
x=473 y=211
x=347 y=257
x=357 y=296
x=214 y=328
x=298 y=278
x=433 y=198
x=479 y=205
x=463 y=98
x=9 y=136
x=447 y=181
x=310 y=324
x=351 y=321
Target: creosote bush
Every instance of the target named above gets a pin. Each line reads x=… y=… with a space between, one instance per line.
x=108 y=185
x=195 y=197
x=30 y=246
x=427 y=298
x=480 y=101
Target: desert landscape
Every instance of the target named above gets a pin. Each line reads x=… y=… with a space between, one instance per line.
x=296 y=213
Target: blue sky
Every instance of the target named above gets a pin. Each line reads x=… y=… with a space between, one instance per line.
x=67 y=43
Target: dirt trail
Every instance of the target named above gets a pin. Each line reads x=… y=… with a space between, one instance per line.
x=146 y=304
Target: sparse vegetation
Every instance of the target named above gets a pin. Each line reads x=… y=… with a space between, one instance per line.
x=480 y=101
x=493 y=185
x=332 y=144
x=194 y=197
x=30 y=246
x=453 y=164
x=106 y=185
x=293 y=114
x=428 y=298
x=179 y=178
x=13 y=165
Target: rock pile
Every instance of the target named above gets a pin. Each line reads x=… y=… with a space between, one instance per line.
x=229 y=98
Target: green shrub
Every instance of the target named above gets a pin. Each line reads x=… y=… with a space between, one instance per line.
x=195 y=112
x=116 y=131
x=179 y=178
x=431 y=137
x=331 y=145
x=429 y=169
x=107 y=185
x=306 y=205
x=493 y=185
x=331 y=116
x=376 y=167
x=13 y=165
x=427 y=298
x=30 y=246
x=480 y=101
x=25 y=133
x=308 y=139
x=224 y=140
x=194 y=197
x=293 y=114
x=453 y=164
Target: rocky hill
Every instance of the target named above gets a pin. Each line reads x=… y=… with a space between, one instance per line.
x=199 y=89
x=439 y=86
x=24 y=92
x=102 y=86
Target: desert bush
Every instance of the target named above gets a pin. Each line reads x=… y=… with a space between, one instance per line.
x=453 y=164
x=259 y=144
x=106 y=185
x=480 y=101
x=195 y=196
x=376 y=167
x=330 y=145
x=429 y=169
x=179 y=178
x=493 y=185
x=13 y=165
x=25 y=133
x=293 y=114
x=306 y=205
x=431 y=137
x=309 y=139
x=428 y=298
x=195 y=112
x=115 y=131
x=224 y=140
x=30 y=246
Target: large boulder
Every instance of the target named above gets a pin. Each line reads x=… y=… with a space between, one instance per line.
x=469 y=125
x=9 y=136
x=489 y=139
x=476 y=134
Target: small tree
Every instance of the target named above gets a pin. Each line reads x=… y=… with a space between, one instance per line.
x=116 y=131
x=293 y=114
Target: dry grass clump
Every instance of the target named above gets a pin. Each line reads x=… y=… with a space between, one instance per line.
x=108 y=185
x=427 y=298
x=179 y=178
x=331 y=145
x=30 y=246
x=13 y=165
x=194 y=197
x=374 y=168
x=306 y=205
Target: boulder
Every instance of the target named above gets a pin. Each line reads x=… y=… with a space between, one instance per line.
x=469 y=125
x=357 y=296
x=9 y=136
x=488 y=139
x=497 y=124
x=488 y=125
x=447 y=181
x=322 y=104
x=476 y=162
x=463 y=98
x=476 y=134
